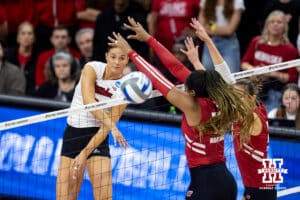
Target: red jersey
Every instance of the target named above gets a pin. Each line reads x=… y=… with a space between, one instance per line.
x=249 y=156
x=18 y=11
x=210 y=148
x=172 y=18
x=42 y=61
x=52 y=12
x=264 y=54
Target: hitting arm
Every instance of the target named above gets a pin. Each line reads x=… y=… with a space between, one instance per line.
x=88 y=94
x=96 y=140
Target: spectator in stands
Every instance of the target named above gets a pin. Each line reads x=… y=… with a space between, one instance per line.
x=25 y=55
x=289 y=108
x=3 y=24
x=18 y=11
x=271 y=47
x=12 y=80
x=60 y=40
x=63 y=72
x=52 y=13
x=291 y=9
x=169 y=20
x=221 y=21
x=84 y=41
x=88 y=10
x=112 y=20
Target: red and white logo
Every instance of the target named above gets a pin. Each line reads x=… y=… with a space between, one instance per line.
x=272 y=170
x=189 y=193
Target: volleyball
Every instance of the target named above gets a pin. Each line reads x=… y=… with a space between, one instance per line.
x=136 y=87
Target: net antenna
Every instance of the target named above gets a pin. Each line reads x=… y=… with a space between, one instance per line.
x=118 y=101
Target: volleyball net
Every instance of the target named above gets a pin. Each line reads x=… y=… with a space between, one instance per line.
x=153 y=167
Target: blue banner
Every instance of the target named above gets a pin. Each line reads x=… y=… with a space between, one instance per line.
x=154 y=166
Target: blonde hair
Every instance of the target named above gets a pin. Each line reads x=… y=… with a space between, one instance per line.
x=265 y=32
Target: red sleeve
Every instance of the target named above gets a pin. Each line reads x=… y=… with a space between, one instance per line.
x=249 y=54
x=176 y=68
x=158 y=80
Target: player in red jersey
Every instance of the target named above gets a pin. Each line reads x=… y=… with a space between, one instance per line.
x=249 y=155
x=208 y=104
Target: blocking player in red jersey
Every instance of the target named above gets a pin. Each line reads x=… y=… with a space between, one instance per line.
x=208 y=104
x=249 y=155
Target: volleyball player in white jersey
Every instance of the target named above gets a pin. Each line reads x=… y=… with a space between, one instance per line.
x=85 y=141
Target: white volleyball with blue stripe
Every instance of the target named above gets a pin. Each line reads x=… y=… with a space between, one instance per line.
x=136 y=87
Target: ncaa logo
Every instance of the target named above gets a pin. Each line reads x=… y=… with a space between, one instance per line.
x=272 y=170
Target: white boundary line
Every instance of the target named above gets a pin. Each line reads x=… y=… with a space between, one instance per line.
x=288 y=191
x=113 y=102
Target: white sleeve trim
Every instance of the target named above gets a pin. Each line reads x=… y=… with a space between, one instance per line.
x=225 y=73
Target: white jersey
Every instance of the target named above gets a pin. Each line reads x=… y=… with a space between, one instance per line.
x=104 y=90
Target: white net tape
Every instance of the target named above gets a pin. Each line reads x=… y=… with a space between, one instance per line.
x=113 y=102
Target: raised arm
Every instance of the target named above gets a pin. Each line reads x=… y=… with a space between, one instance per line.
x=176 y=68
x=192 y=53
x=168 y=90
x=88 y=81
x=218 y=61
x=114 y=115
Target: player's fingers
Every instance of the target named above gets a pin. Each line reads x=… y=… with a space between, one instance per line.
x=183 y=51
x=130 y=27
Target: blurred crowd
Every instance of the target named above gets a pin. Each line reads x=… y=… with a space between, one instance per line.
x=45 y=44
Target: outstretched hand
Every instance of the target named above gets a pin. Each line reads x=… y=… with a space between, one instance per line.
x=191 y=50
x=199 y=30
x=140 y=33
x=192 y=53
x=118 y=41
